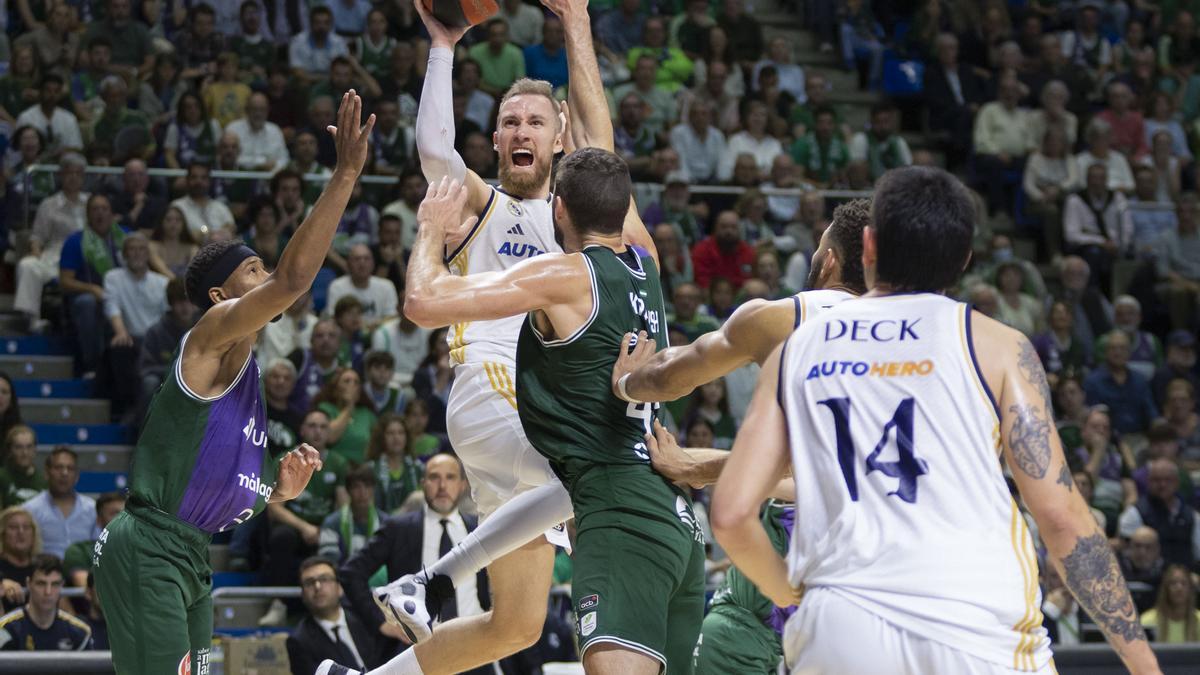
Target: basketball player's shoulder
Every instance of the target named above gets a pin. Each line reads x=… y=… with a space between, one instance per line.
x=776 y=317
x=758 y=326
x=1003 y=345
x=988 y=332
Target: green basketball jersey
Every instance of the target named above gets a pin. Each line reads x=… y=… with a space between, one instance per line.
x=564 y=390
x=740 y=591
x=205 y=461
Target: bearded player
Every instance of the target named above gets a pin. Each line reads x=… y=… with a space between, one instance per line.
x=513 y=223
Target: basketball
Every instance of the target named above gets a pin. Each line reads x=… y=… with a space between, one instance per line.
x=460 y=13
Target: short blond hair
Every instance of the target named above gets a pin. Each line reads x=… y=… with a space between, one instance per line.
x=12 y=512
x=530 y=87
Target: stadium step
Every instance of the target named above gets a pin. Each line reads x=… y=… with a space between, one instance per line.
x=65 y=411
x=222 y=579
x=114 y=458
x=27 y=389
x=13 y=324
x=38 y=367
x=36 y=345
x=98 y=482
x=84 y=434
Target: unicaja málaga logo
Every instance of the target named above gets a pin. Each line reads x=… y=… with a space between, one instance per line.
x=253 y=435
x=254 y=484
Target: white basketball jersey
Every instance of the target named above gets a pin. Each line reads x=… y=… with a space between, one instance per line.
x=811 y=303
x=901 y=504
x=509 y=230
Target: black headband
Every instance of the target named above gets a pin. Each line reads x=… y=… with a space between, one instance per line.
x=222 y=268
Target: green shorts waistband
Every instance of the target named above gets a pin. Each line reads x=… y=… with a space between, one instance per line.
x=192 y=535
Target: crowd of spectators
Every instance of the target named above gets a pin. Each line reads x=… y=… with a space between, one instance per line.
x=1075 y=122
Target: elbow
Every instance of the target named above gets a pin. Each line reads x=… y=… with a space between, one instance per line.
x=1065 y=521
x=419 y=307
x=729 y=520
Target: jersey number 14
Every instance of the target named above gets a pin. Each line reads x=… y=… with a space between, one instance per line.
x=907 y=467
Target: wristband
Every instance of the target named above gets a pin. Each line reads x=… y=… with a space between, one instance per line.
x=621 y=393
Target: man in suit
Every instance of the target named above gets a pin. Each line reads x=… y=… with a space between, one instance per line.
x=329 y=631
x=406 y=543
x=953 y=93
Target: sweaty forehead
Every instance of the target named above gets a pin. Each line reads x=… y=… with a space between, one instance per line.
x=527 y=106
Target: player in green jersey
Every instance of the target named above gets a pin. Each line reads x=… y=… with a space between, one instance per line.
x=202 y=463
x=638 y=585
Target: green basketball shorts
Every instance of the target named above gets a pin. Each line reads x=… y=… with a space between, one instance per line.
x=639 y=565
x=155 y=586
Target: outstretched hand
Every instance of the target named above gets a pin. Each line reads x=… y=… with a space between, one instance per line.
x=440 y=35
x=295 y=470
x=350 y=136
x=629 y=361
x=442 y=210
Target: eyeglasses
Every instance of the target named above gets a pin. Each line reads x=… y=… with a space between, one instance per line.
x=312 y=582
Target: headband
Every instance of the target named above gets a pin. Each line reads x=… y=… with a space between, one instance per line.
x=219 y=273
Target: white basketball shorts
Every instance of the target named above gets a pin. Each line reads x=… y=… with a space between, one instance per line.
x=483 y=427
x=830 y=635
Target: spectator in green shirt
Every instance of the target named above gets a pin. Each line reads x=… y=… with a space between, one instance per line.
x=117 y=117
x=398 y=470
x=256 y=54
x=296 y=524
x=77 y=560
x=131 y=45
x=416 y=419
x=687 y=316
x=822 y=153
x=674 y=67
x=20 y=479
x=351 y=415
x=816 y=94
x=501 y=61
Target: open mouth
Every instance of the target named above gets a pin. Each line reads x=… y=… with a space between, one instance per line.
x=522 y=157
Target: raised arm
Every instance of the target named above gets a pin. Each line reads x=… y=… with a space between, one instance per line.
x=592 y=126
x=748 y=336
x=633 y=230
x=231 y=320
x=436 y=298
x=435 y=114
x=1077 y=546
x=755 y=467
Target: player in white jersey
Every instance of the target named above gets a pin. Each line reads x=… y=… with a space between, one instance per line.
x=748 y=336
x=907 y=539
x=518 y=496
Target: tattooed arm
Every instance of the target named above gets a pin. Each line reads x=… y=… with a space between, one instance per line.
x=1076 y=545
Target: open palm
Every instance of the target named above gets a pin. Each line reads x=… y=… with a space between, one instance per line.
x=350 y=136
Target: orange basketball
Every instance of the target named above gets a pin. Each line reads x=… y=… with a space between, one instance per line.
x=460 y=13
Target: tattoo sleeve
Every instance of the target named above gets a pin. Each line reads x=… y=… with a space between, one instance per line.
x=1029 y=440
x=1033 y=372
x=1096 y=581
x=1064 y=477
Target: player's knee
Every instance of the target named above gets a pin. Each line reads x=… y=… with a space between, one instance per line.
x=518 y=631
